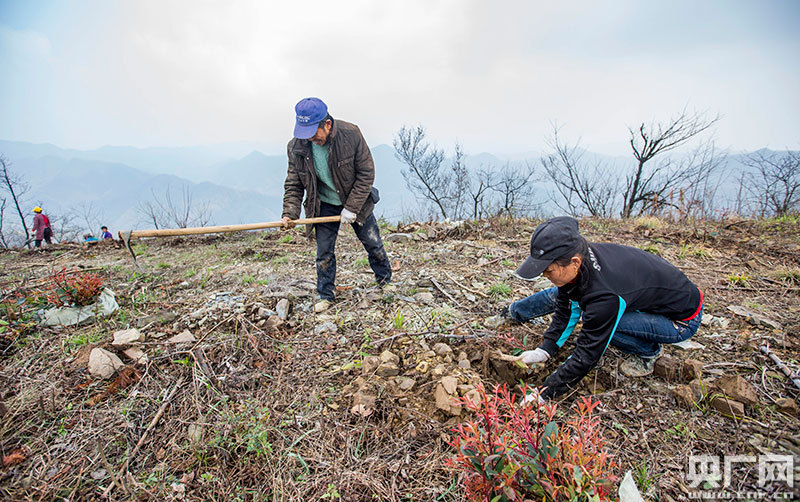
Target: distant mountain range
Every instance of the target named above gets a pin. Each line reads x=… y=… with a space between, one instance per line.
x=239 y=184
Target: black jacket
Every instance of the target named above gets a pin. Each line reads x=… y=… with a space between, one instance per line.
x=612 y=279
x=352 y=170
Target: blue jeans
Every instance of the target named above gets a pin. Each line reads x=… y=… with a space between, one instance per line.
x=637 y=333
x=370 y=237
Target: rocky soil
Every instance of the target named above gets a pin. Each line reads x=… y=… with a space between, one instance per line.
x=214 y=379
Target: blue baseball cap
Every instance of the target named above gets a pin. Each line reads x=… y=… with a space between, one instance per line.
x=310 y=112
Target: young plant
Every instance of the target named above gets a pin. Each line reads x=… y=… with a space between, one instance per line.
x=512 y=451
x=499 y=290
x=738 y=280
x=75 y=288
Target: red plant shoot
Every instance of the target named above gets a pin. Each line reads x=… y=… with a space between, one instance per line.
x=514 y=452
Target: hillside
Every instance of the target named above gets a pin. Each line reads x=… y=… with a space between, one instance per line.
x=349 y=404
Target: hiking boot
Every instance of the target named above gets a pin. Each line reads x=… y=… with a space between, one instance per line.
x=636 y=366
x=322 y=306
x=500 y=320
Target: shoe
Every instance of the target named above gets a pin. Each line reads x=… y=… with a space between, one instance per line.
x=636 y=366
x=500 y=320
x=322 y=306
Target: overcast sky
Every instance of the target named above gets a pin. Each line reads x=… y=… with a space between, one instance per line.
x=492 y=75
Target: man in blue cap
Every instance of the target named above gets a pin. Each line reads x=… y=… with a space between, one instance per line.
x=330 y=162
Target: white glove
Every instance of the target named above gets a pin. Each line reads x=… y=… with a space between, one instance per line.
x=534 y=356
x=533 y=397
x=347 y=216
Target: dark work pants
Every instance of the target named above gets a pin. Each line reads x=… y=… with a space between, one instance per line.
x=370 y=237
x=47 y=234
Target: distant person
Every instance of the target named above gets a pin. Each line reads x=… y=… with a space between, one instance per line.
x=330 y=162
x=105 y=234
x=90 y=239
x=626 y=297
x=41 y=227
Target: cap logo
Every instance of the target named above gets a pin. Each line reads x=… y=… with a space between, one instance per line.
x=303 y=118
x=540 y=252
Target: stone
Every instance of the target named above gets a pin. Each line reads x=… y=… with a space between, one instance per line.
x=442 y=349
x=363 y=404
x=462 y=355
x=185 y=337
x=423 y=367
x=389 y=357
x=689 y=345
x=449 y=383
x=283 y=308
x=728 y=406
x=370 y=364
x=692 y=369
x=424 y=297
x=787 y=406
x=668 y=368
x=321 y=306
x=326 y=327
x=262 y=313
x=405 y=383
x=439 y=370
x=684 y=395
x=164 y=317
x=442 y=398
x=464 y=364
x=273 y=322
x=103 y=364
x=737 y=388
x=473 y=396
x=754 y=317
x=136 y=355
x=398 y=237
x=464 y=388
x=126 y=337
x=387 y=370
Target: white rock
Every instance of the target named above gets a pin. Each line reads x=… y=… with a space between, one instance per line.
x=424 y=297
x=136 y=355
x=282 y=308
x=689 y=345
x=103 y=364
x=184 y=337
x=127 y=337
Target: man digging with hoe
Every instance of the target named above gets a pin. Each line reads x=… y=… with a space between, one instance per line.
x=330 y=162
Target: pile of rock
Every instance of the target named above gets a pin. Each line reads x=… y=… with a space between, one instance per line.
x=104 y=363
x=415 y=376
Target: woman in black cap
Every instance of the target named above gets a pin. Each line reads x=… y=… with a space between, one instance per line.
x=626 y=297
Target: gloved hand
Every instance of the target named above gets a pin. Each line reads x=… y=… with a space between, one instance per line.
x=286 y=223
x=534 y=356
x=533 y=397
x=348 y=216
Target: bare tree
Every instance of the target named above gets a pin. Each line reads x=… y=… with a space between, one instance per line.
x=16 y=186
x=480 y=183
x=650 y=181
x=177 y=211
x=461 y=183
x=2 y=216
x=424 y=176
x=697 y=195
x=89 y=215
x=584 y=186
x=776 y=183
x=515 y=189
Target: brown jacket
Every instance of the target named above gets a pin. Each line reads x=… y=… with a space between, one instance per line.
x=352 y=170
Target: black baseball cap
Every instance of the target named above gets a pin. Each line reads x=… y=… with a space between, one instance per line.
x=551 y=240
